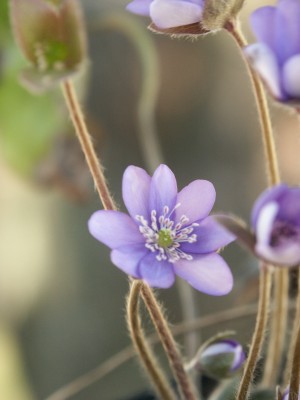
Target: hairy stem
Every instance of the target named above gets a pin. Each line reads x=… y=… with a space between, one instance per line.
x=293 y=337
x=295 y=373
x=279 y=315
x=258 y=336
x=87 y=146
x=142 y=347
x=184 y=383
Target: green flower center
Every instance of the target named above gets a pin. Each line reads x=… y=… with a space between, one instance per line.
x=164 y=238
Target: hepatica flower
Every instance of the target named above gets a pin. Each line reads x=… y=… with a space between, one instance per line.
x=276 y=222
x=276 y=56
x=166 y=232
x=169 y=13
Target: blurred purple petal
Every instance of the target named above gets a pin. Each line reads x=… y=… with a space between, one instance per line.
x=156 y=273
x=211 y=236
x=136 y=189
x=171 y=13
x=263 y=60
x=263 y=23
x=287 y=34
x=163 y=190
x=265 y=222
x=210 y=274
x=127 y=258
x=140 y=7
x=291 y=76
x=269 y=195
x=196 y=200
x=114 y=229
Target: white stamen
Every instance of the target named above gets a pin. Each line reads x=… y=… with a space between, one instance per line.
x=177 y=233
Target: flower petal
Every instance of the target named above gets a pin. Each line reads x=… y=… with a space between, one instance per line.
x=288 y=254
x=210 y=274
x=163 y=190
x=287 y=33
x=291 y=76
x=263 y=60
x=272 y=194
x=171 y=13
x=196 y=200
x=211 y=236
x=156 y=273
x=127 y=258
x=114 y=229
x=140 y=7
x=263 y=25
x=136 y=189
x=265 y=222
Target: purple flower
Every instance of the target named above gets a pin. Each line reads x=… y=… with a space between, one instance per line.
x=166 y=232
x=286 y=395
x=169 y=13
x=221 y=359
x=276 y=222
x=276 y=56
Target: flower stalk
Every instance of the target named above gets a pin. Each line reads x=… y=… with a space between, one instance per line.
x=279 y=315
x=141 y=345
x=259 y=332
x=184 y=383
x=86 y=143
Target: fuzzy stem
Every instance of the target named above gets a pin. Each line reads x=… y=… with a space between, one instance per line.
x=258 y=336
x=184 y=384
x=87 y=145
x=293 y=337
x=141 y=345
x=279 y=315
x=295 y=373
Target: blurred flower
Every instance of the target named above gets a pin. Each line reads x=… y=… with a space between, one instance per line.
x=286 y=395
x=221 y=359
x=276 y=56
x=169 y=13
x=276 y=222
x=167 y=233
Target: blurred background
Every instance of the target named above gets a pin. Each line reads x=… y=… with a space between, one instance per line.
x=61 y=301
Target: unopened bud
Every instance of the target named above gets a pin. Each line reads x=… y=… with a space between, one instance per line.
x=221 y=359
x=51 y=35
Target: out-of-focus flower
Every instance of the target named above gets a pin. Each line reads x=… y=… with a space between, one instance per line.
x=189 y=17
x=276 y=56
x=286 y=395
x=221 y=359
x=166 y=233
x=276 y=222
x=169 y=13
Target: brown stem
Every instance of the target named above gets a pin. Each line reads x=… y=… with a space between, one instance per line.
x=185 y=385
x=293 y=337
x=277 y=329
x=279 y=315
x=295 y=373
x=87 y=145
x=141 y=345
x=258 y=336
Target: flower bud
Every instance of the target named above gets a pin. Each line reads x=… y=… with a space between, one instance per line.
x=221 y=359
x=51 y=35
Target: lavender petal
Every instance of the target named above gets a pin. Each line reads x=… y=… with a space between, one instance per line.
x=140 y=7
x=127 y=258
x=159 y=274
x=136 y=189
x=114 y=229
x=196 y=199
x=209 y=274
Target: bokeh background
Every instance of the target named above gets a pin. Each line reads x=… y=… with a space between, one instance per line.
x=61 y=301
